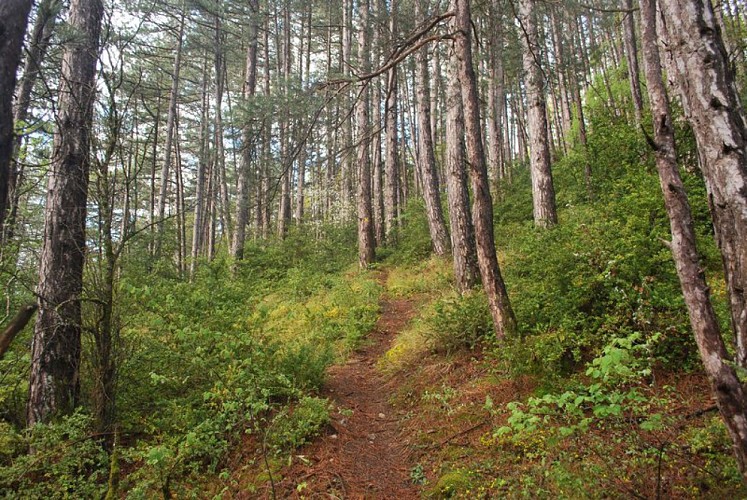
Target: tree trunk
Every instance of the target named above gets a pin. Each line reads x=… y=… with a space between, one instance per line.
x=104 y=368
x=579 y=110
x=482 y=208
x=562 y=71
x=543 y=190
x=304 y=154
x=219 y=150
x=170 y=121
x=466 y=271
x=55 y=350
x=366 y=245
x=713 y=109
x=15 y=326
x=202 y=161
x=247 y=152
x=284 y=213
x=725 y=384
x=427 y=157
x=496 y=96
x=346 y=174
x=46 y=15
x=391 y=174
x=631 y=53
x=378 y=172
x=13 y=19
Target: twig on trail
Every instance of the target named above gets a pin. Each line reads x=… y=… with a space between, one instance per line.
x=461 y=433
x=342 y=483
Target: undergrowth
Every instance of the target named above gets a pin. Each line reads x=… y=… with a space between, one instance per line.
x=600 y=394
x=204 y=367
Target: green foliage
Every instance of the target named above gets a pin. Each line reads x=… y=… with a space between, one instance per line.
x=66 y=462
x=460 y=321
x=610 y=393
x=417 y=475
x=427 y=277
x=289 y=431
x=451 y=483
x=239 y=350
x=11 y=443
x=213 y=359
x=413 y=241
x=603 y=272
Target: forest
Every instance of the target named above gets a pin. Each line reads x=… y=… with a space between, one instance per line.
x=373 y=249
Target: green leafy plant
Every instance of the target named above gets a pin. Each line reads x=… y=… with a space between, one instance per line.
x=289 y=431
x=459 y=322
x=611 y=392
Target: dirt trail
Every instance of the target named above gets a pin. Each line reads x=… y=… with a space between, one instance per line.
x=366 y=455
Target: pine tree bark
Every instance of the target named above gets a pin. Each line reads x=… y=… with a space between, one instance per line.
x=284 y=212
x=346 y=173
x=725 y=384
x=543 y=190
x=46 y=16
x=202 y=162
x=631 y=54
x=170 y=121
x=248 y=150
x=482 y=208
x=303 y=155
x=377 y=7
x=717 y=118
x=391 y=167
x=562 y=71
x=55 y=350
x=427 y=157
x=496 y=96
x=464 y=252
x=13 y=20
x=366 y=245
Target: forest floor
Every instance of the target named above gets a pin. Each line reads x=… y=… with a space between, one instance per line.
x=367 y=453
x=407 y=422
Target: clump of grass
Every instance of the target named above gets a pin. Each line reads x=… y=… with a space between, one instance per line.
x=430 y=277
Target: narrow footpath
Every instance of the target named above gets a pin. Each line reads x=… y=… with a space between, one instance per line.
x=366 y=455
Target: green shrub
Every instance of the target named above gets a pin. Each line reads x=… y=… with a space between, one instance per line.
x=66 y=462
x=413 y=241
x=291 y=430
x=460 y=321
x=612 y=391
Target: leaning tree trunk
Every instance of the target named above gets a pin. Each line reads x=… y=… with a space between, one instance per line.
x=366 y=244
x=716 y=116
x=713 y=109
x=725 y=384
x=543 y=190
x=13 y=19
x=55 y=350
x=482 y=214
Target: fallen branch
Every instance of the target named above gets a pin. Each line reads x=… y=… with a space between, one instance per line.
x=462 y=433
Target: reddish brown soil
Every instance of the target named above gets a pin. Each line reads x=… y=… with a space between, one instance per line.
x=365 y=454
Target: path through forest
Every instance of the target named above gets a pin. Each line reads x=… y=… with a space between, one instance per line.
x=366 y=456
